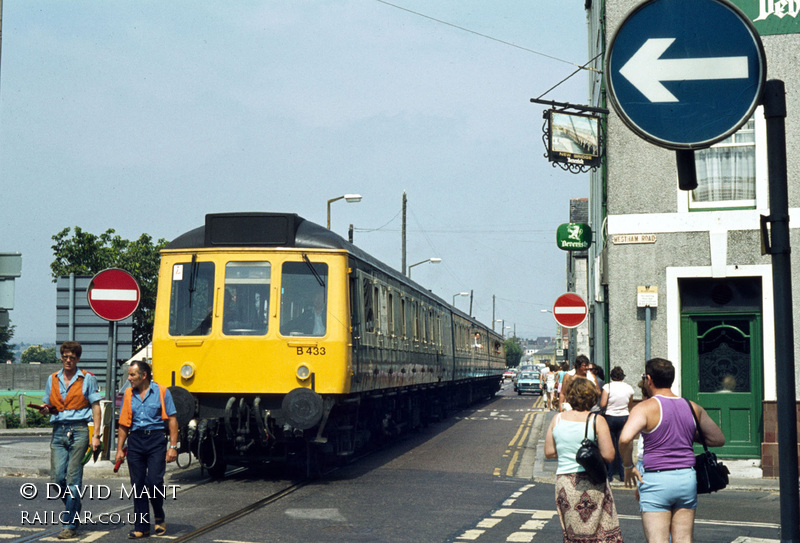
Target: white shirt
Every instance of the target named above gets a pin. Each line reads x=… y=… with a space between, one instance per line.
x=619 y=396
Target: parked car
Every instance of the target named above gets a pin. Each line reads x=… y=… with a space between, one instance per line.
x=509 y=374
x=529 y=381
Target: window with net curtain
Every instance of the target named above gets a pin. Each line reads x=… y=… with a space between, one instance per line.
x=726 y=172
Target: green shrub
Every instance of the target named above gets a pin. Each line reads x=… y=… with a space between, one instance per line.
x=34 y=419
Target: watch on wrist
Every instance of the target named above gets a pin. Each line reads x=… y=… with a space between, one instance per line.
x=173 y=447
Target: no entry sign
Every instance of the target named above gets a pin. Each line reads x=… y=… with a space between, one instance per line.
x=113 y=294
x=570 y=310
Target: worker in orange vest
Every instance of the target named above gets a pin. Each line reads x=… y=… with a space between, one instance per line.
x=147 y=412
x=73 y=400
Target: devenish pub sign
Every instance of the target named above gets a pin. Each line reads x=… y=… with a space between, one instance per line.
x=574 y=236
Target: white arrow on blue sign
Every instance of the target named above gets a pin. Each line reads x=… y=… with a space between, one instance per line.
x=685 y=74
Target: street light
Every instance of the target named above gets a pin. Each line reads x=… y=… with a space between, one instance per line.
x=350 y=198
x=431 y=260
x=459 y=294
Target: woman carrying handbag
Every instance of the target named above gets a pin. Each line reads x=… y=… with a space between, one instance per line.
x=586 y=509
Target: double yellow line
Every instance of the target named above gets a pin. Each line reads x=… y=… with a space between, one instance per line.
x=517 y=444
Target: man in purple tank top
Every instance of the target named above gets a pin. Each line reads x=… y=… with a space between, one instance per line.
x=668 y=486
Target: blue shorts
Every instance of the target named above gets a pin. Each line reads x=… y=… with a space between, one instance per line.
x=668 y=490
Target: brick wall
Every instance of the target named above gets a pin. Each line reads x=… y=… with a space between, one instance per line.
x=769 y=447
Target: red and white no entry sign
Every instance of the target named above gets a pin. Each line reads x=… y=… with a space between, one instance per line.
x=113 y=294
x=570 y=310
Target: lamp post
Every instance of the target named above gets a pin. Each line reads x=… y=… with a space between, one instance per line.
x=349 y=198
x=431 y=260
x=497 y=320
x=459 y=294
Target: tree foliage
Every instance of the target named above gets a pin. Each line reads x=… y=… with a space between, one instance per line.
x=6 y=348
x=37 y=353
x=513 y=352
x=83 y=253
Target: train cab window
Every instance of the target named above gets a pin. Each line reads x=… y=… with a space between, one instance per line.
x=304 y=299
x=191 y=299
x=246 y=298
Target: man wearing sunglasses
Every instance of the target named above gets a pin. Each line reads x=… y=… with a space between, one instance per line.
x=73 y=401
x=668 y=486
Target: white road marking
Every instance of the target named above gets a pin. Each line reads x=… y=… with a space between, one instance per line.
x=521 y=537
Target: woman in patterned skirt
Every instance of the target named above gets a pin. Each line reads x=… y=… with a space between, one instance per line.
x=586 y=510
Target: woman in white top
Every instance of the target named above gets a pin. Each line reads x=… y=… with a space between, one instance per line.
x=616 y=399
x=586 y=510
x=550 y=382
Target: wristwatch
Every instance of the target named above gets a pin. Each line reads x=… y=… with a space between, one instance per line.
x=173 y=447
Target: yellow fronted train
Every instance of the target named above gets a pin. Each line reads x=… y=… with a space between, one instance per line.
x=282 y=341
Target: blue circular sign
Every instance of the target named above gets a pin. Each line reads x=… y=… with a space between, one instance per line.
x=685 y=75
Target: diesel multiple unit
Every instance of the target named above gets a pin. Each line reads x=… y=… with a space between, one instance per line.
x=281 y=340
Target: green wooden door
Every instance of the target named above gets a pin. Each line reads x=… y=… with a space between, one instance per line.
x=722 y=371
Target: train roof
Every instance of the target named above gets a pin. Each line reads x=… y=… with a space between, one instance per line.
x=261 y=229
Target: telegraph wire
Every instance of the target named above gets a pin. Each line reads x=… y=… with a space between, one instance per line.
x=488 y=37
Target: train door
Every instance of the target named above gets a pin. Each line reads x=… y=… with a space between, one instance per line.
x=356 y=320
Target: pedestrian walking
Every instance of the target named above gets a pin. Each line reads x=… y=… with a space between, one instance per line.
x=586 y=510
x=616 y=400
x=146 y=408
x=582 y=366
x=550 y=383
x=73 y=399
x=668 y=486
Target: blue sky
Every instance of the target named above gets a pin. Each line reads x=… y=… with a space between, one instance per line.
x=144 y=116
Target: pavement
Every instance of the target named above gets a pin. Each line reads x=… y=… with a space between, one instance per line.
x=745 y=474
x=22 y=457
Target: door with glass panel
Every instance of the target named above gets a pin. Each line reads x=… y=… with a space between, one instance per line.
x=722 y=371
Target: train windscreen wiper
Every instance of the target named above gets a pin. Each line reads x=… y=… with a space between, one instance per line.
x=311 y=267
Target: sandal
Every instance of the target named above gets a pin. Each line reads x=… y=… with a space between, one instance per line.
x=138 y=535
x=161 y=528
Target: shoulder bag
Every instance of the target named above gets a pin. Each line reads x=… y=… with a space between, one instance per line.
x=712 y=475
x=589 y=457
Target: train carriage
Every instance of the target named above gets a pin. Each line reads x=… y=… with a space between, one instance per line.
x=281 y=340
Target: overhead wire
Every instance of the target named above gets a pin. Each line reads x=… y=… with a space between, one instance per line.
x=510 y=44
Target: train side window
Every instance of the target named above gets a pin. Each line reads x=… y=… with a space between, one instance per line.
x=304 y=299
x=376 y=298
x=403 y=326
x=246 y=298
x=390 y=314
x=191 y=299
x=369 y=306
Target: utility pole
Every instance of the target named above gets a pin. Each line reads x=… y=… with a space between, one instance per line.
x=403 y=235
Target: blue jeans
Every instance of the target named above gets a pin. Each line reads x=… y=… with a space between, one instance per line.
x=67 y=449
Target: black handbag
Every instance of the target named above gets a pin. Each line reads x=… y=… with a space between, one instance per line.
x=589 y=457
x=712 y=475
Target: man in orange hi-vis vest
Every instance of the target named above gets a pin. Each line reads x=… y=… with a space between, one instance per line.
x=146 y=408
x=72 y=398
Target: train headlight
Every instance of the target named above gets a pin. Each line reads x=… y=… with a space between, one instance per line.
x=187 y=370
x=303 y=372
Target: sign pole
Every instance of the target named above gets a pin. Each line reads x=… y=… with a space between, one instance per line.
x=775 y=114
x=110 y=361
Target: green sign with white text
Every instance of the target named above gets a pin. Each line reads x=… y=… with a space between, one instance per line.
x=772 y=16
x=574 y=236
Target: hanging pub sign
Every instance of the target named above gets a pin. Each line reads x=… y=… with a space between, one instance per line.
x=573 y=138
x=574 y=236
